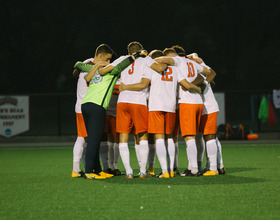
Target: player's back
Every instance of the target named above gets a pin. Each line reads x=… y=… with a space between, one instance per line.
x=81 y=88
x=131 y=75
x=190 y=69
x=163 y=90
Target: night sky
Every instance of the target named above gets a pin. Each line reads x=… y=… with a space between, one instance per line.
x=41 y=41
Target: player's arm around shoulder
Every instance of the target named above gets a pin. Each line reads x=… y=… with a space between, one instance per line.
x=137 y=86
x=91 y=73
x=189 y=86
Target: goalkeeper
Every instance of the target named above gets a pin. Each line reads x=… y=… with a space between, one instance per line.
x=94 y=105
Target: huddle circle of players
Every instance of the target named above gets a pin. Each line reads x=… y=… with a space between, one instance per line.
x=149 y=96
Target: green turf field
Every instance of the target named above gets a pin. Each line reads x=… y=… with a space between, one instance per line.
x=36 y=184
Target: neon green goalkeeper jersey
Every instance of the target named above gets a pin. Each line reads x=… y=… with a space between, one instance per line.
x=101 y=86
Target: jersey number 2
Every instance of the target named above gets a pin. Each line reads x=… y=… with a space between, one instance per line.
x=166 y=75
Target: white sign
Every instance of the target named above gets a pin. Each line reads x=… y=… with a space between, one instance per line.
x=14 y=115
x=276 y=98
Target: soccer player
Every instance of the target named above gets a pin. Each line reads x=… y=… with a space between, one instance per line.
x=191 y=105
x=95 y=103
x=132 y=109
x=112 y=135
x=162 y=105
x=208 y=125
x=81 y=129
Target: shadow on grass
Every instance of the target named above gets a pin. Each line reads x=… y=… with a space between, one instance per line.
x=201 y=180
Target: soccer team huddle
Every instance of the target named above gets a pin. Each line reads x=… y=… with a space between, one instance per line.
x=151 y=96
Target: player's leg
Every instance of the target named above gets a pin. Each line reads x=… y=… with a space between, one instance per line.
x=220 y=164
x=124 y=127
x=79 y=146
x=209 y=132
x=169 y=120
x=200 y=144
x=152 y=154
x=189 y=120
x=175 y=139
x=156 y=126
x=94 y=117
x=139 y=115
x=104 y=152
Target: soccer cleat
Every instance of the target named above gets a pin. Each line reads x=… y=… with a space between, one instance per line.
x=176 y=171
x=222 y=171
x=211 y=173
x=171 y=173
x=142 y=175
x=107 y=175
x=94 y=176
x=152 y=172
x=80 y=174
x=164 y=175
x=117 y=172
x=129 y=176
x=110 y=171
x=185 y=173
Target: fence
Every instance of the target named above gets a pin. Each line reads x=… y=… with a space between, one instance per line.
x=54 y=114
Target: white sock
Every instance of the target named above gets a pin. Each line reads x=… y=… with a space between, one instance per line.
x=77 y=153
x=124 y=152
x=116 y=155
x=152 y=155
x=200 y=144
x=220 y=163
x=143 y=152
x=171 y=153
x=176 y=155
x=192 y=155
x=161 y=154
x=104 y=154
x=111 y=154
x=212 y=154
x=138 y=154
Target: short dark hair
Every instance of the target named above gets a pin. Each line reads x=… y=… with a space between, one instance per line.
x=134 y=47
x=103 y=48
x=156 y=53
x=167 y=51
x=179 y=50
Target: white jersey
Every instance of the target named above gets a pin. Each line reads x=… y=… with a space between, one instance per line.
x=190 y=69
x=210 y=104
x=131 y=75
x=81 y=88
x=163 y=90
x=112 y=108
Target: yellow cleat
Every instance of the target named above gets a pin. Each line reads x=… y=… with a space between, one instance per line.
x=107 y=175
x=171 y=174
x=211 y=173
x=80 y=174
x=152 y=172
x=94 y=176
x=164 y=175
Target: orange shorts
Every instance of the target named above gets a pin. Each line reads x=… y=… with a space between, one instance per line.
x=161 y=122
x=129 y=115
x=190 y=118
x=177 y=124
x=110 y=125
x=81 y=128
x=208 y=123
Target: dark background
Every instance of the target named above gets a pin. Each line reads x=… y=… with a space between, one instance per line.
x=41 y=41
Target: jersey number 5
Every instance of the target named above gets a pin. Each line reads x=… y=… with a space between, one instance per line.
x=166 y=75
